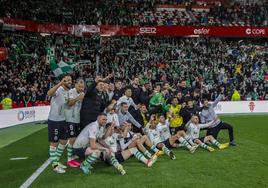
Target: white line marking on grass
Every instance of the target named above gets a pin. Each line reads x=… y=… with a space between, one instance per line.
x=31 y=179
x=18 y=158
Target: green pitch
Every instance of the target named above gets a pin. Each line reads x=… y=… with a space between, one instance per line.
x=243 y=166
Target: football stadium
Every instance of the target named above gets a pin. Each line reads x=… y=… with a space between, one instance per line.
x=134 y=93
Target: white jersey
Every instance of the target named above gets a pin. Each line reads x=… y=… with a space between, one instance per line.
x=111 y=141
x=113 y=117
x=58 y=104
x=127 y=100
x=90 y=131
x=72 y=113
x=193 y=130
x=164 y=131
x=154 y=136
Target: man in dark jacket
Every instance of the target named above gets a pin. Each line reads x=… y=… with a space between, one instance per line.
x=146 y=94
x=136 y=90
x=94 y=102
x=189 y=110
x=118 y=91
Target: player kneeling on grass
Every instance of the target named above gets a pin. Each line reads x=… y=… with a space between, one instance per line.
x=180 y=136
x=193 y=131
x=86 y=146
x=111 y=139
x=130 y=140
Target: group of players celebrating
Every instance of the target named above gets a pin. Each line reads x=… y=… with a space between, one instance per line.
x=103 y=123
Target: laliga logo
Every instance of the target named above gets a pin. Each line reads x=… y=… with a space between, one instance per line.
x=251 y=106
x=250 y=31
x=202 y=31
x=148 y=30
x=22 y=115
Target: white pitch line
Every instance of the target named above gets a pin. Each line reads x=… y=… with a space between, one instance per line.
x=18 y=158
x=31 y=179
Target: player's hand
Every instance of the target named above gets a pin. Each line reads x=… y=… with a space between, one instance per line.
x=135 y=137
x=64 y=80
x=110 y=76
x=113 y=102
x=125 y=124
x=81 y=96
x=98 y=78
x=113 y=124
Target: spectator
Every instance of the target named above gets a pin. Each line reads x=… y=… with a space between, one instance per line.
x=236 y=96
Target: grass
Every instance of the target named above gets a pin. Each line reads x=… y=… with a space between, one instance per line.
x=12 y=134
x=243 y=166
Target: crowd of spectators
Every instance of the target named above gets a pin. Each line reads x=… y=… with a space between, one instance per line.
x=205 y=64
x=137 y=12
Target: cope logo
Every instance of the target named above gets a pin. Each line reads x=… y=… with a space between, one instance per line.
x=251 y=106
x=26 y=114
x=148 y=30
x=250 y=31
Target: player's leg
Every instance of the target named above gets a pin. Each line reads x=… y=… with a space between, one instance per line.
x=53 y=137
x=139 y=144
x=201 y=143
x=63 y=139
x=113 y=161
x=91 y=158
x=166 y=150
x=215 y=142
x=73 y=131
x=138 y=155
x=187 y=138
x=214 y=131
x=179 y=136
x=147 y=141
x=229 y=127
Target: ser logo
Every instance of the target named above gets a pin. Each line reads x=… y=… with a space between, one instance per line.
x=148 y=30
x=26 y=114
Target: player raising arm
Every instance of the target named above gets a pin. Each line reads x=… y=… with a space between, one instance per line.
x=57 y=127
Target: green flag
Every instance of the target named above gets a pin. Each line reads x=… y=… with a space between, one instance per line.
x=61 y=67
